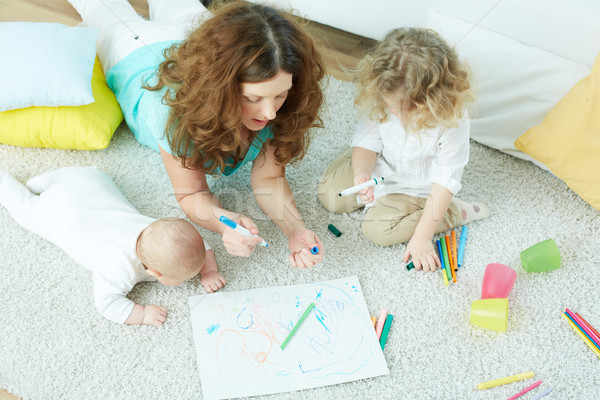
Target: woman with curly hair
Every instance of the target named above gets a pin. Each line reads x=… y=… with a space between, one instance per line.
x=413 y=92
x=240 y=87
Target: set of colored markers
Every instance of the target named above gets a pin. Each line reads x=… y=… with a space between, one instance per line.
x=451 y=257
x=586 y=331
x=382 y=326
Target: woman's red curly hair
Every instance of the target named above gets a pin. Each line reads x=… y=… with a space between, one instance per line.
x=241 y=43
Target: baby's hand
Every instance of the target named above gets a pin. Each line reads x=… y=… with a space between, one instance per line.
x=212 y=281
x=154 y=315
x=422 y=253
x=367 y=195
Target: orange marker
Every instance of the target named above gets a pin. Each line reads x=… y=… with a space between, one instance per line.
x=454 y=250
x=374 y=320
x=447 y=238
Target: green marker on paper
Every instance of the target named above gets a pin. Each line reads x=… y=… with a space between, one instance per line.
x=295 y=328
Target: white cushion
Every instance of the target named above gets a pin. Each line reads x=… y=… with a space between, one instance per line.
x=515 y=85
x=46 y=64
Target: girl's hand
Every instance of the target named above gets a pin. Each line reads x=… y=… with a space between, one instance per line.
x=238 y=244
x=422 y=253
x=301 y=240
x=366 y=195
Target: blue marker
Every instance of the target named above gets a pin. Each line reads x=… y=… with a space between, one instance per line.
x=315 y=250
x=461 y=246
x=441 y=257
x=239 y=228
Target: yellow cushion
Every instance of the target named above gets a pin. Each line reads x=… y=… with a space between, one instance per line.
x=87 y=127
x=568 y=140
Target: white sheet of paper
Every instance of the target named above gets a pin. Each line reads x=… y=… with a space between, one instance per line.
x=238 y=337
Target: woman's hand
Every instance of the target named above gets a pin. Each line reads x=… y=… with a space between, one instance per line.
x=301 y=241
x=367 y=195
x=238 y=244
x=422 y=253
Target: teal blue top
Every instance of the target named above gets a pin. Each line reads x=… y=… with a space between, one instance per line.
x=144 y=111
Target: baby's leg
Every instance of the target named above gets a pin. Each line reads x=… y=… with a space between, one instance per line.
x=394 y=218
x=182 y=14
x=471 y=211
x=337 y=177
x=19 y=201
x=122 y=30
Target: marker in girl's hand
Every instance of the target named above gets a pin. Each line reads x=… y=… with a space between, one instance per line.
x=238 y=228
x=314 y=250
x=359 y=187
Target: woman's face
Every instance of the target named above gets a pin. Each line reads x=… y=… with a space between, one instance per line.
x=261 y=100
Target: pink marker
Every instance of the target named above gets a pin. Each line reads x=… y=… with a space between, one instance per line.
x=380 y=322
x=527 y=389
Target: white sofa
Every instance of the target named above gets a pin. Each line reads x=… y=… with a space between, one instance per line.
x=526 y=54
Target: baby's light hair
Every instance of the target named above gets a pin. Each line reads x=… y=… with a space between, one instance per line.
x=414 y=66
x=173 y=247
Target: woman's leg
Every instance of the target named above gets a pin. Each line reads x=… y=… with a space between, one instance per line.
x=122 y=30
x=393 y=219
x=337 y=177
x=182 y=14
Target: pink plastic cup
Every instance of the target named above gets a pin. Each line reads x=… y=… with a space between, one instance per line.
x=498 y=280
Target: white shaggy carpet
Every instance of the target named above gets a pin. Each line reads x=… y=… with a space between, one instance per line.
x=54 y=345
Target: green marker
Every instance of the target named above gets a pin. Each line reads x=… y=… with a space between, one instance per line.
x=446 y=260
x=334 y=230
x=410 y=266
x=386 y=330
x=295 y=328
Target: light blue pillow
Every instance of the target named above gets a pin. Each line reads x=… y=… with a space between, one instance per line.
x=46 y=64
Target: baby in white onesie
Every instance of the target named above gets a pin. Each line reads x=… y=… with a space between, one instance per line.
x=81 y=210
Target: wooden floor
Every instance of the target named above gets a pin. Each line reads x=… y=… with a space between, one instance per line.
x=339 y=49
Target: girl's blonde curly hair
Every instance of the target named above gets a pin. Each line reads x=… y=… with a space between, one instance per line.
x=416 y=68
x=241 y=43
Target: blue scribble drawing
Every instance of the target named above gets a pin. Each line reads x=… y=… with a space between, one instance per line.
x=212 y=329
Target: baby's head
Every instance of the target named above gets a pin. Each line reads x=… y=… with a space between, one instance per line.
x=172 y=250
x=415 y=75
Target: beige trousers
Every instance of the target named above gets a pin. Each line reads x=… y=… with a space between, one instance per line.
x=391 y=220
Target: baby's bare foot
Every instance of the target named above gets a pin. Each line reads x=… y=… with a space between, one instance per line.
x=212 y=281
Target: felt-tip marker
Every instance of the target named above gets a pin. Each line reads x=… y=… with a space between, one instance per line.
x=359 y=187
x=238 y=228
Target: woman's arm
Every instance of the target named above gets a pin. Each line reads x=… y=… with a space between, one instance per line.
x=274 y=196
x=204 y=208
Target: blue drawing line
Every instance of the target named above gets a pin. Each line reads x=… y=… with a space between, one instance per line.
x=212 y=328
x=237 y=320
x=319 y=314
x=362 y=365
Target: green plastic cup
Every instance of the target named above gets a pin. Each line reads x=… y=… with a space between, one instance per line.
x=541 y=257
x=490 y=314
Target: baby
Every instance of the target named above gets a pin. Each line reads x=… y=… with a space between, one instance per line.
x=82 y=211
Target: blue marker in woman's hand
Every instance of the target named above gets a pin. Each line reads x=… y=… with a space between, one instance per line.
x=238 y=228
x=314 y=250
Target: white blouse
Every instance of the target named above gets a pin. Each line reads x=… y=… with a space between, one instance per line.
x=411 y=163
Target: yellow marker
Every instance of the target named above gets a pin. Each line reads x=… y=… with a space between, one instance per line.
x=503 y=381
x=374 y=321
x=585 y=339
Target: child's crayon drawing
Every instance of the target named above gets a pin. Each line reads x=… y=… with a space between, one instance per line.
x=238 y=337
